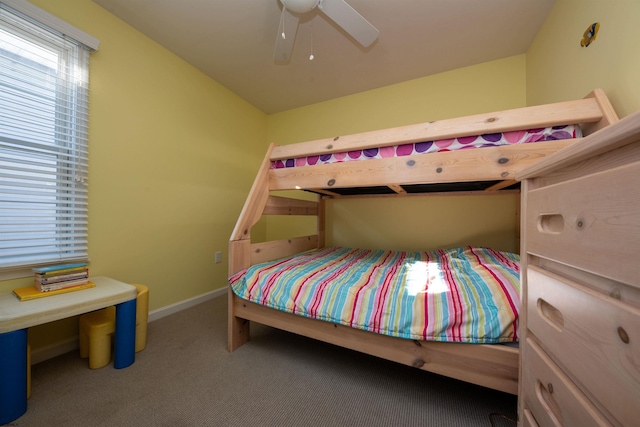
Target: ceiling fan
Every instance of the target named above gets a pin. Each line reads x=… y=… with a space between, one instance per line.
x=338 y=11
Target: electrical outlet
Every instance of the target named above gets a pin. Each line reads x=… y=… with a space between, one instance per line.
x=218 y=257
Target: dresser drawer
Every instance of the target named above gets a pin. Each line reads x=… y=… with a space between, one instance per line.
x=594 y=338
x=552 y=398
x=528 y=419
x=587 y=222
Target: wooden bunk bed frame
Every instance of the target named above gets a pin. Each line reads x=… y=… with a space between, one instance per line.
x=492 y=366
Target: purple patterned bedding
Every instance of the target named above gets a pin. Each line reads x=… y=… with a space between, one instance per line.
x=467 y=142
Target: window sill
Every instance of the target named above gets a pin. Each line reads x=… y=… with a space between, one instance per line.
x=16 y=274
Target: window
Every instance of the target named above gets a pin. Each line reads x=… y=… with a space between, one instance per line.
x=43 y=141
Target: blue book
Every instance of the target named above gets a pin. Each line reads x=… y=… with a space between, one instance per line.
x=59 y=267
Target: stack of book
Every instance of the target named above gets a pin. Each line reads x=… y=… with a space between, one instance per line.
x=61 y=276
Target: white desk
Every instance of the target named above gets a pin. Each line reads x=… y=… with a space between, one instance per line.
x=17 y=316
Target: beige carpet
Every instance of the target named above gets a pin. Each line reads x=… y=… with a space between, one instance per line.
x=186 y=377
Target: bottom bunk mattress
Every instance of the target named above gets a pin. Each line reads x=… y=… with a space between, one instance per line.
x=469 y=295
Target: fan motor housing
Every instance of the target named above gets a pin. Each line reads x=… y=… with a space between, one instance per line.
x=300 y=6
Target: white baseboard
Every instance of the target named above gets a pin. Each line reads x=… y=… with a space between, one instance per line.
x=183 y=305
x=72 y=344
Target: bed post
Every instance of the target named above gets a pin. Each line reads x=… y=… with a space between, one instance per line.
x=239 y=246
x=321 y=220
x=609 y=115
x=238 y=328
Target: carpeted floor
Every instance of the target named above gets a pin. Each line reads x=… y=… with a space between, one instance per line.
x=186 y=377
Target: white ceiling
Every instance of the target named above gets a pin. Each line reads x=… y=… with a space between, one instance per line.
x=232 y=41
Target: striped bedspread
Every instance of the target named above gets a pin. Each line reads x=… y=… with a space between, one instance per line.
x=468 y=294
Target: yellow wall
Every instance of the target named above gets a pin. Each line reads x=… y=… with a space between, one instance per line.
x=426 y=223
x=558 y=68
x=170 y=165
x=481 y=88
x=166 y=181
x=491 y=86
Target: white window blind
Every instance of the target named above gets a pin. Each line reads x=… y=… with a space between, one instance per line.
x=43 y=143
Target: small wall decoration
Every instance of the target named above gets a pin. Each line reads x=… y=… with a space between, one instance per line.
x=590 y=34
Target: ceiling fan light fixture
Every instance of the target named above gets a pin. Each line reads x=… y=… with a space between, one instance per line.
x=338 y=11
x=300 y=6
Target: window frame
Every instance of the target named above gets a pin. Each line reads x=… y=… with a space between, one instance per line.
x=51 y=23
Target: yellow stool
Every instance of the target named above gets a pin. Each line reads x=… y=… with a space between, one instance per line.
x=96 y=329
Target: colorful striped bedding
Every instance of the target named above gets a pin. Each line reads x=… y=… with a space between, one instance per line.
x=476 y=141
x=468 y=294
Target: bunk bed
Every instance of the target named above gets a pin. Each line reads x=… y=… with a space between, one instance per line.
x=397 y=162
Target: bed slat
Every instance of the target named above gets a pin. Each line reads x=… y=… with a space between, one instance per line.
x=483 y=164
x=285 y=206
x=585 y=110
x=502 y=184
x=269 y=251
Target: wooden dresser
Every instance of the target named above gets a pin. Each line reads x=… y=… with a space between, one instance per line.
x=580 y=321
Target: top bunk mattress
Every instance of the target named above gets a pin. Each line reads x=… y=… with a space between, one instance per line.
x=467 y=142
x=469 y=294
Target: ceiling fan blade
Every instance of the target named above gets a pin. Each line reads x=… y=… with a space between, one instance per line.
x=350 y=21
x=286 y=36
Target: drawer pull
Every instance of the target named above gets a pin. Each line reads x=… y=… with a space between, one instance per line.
x=550 y=223
x=623 y=335
x=615 y=293
x=550 y=314
x=548 y=402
